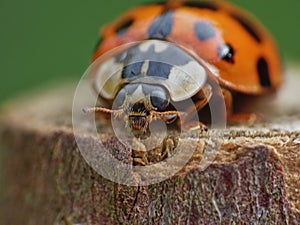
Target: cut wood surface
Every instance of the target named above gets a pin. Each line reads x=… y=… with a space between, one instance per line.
x=254 y=177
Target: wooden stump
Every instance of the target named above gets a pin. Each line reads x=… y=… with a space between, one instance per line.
x=254 y=178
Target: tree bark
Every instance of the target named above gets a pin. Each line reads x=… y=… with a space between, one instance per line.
x=253 y=179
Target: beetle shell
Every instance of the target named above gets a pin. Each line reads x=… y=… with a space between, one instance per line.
x=227 y=41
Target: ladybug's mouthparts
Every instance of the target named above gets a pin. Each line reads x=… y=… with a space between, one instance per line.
x=137 y=122
x=138 y=118
x=138 y=125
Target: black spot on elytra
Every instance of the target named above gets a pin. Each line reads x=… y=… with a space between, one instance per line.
x=263 y=72
x=226 y=52
x=132 y=70
x=204 y=30
x=249 y=27
x=162 y=25
x=159 y=69
x=122 y=27
x=201 y=5
x=97 y=44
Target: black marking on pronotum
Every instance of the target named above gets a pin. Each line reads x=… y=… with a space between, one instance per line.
x=263 y=72
x=122 y=27
x=202 y=5
x=97 y=44
x=132 y=70
x=162 y=25
x=249 y=27
x=226 y=52
x=135 y=57
x=159 y=69
x=171 y=53
x=204 y=30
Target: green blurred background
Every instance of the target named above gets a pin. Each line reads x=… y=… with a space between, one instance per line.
x=46 y=41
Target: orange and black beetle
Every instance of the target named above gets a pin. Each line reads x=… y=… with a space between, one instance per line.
x=187 y=43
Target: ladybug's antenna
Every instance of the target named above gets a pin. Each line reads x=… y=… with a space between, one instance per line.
x=168 y=116
x=102 y=110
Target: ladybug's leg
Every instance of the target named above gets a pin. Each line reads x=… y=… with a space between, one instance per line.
x=238 y=118
x=139 y=153
x=194 y=125
x=200 y=100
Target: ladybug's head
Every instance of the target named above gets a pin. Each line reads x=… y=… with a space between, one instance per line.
x=141 y=103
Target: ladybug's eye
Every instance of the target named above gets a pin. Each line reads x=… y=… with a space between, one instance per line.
x=159 y=100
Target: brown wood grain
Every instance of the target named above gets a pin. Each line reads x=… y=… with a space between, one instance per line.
x=253 y=179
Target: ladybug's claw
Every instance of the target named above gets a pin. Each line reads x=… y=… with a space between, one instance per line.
x=195 y=126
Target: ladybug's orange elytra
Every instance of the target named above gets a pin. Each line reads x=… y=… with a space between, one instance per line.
x=256 y=65
x=220 y=41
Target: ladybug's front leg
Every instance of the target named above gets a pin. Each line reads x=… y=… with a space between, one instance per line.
x=238 y=118
x=200 y=100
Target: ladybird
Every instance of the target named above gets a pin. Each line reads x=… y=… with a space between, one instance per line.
x=179 y=50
